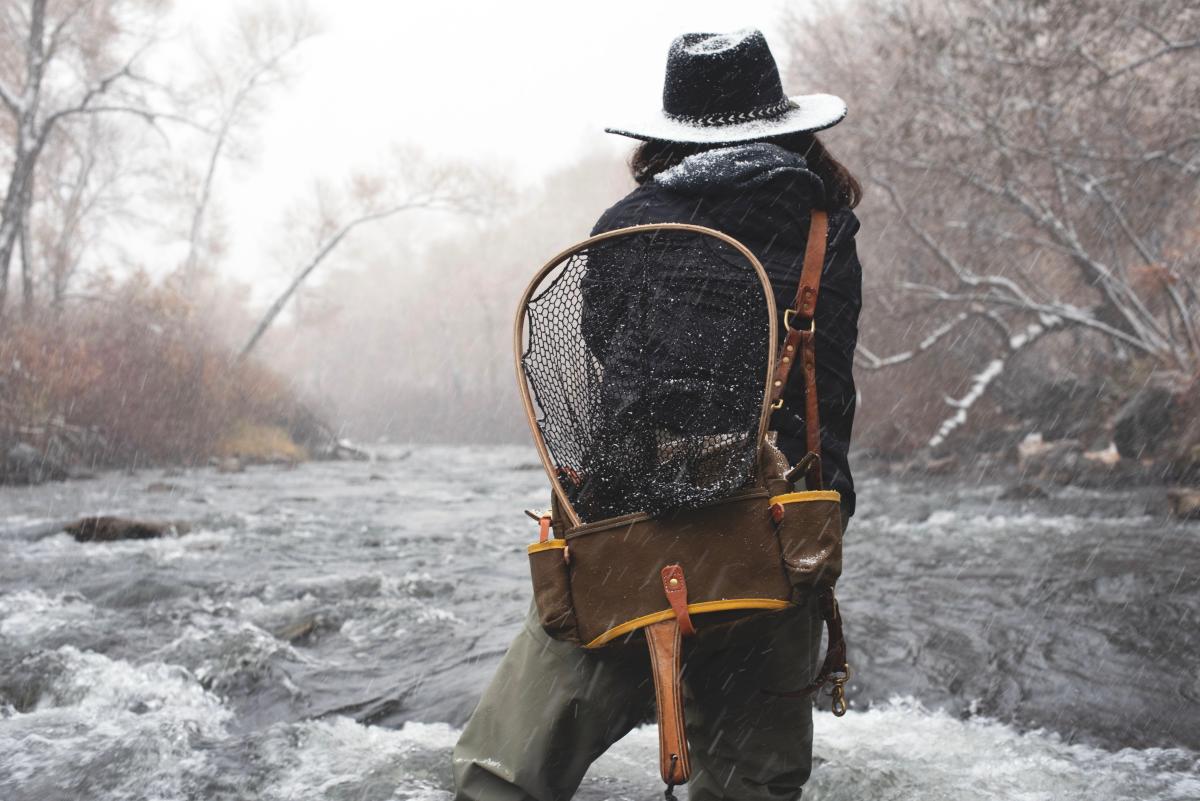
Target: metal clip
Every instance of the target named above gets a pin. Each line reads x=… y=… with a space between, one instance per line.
x=839 y=691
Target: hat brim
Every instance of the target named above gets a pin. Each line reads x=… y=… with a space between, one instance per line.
x=808 y=113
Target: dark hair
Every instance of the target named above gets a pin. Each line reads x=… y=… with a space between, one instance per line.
x=842 y=190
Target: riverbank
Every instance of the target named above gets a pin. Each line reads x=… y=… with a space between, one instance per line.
x=144 y=379
x=1034 y=469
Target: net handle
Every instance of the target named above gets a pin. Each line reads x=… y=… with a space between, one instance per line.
x=522 y=314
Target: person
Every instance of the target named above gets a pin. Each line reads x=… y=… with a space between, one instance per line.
x=728 y=151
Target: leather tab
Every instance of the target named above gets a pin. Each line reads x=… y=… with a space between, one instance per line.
x=665 y=645
x=675 y=587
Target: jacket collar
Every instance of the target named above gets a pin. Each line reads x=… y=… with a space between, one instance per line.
x=739 y=168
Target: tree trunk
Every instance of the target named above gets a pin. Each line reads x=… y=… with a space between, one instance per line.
x=15 y=211
x=26 y=271
x=323 y=251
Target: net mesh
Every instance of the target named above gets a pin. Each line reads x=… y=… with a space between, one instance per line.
x=646 y=356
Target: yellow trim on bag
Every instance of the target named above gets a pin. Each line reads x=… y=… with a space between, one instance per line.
x=801 y=497
x=695 y=609
x=545 y=546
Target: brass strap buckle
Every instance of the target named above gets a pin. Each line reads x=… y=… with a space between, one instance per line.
x=787 y=321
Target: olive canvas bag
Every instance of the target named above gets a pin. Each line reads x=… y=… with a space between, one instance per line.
x=649 y=361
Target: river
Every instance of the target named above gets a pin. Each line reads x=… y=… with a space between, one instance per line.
x=324 y=631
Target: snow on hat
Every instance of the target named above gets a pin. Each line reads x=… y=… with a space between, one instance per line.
x=722 y=88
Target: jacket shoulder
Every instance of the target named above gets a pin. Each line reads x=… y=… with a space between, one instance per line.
x=645 y=204
x=843 y=226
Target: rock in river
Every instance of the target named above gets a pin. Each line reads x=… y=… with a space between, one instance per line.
x=1185 y=503
x=107 y=528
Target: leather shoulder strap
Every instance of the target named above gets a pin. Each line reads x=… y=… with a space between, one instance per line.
x=800 y=341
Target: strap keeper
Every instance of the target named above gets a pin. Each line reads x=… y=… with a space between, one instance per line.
x=675 y=588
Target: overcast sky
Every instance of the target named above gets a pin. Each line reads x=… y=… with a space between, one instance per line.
x=526 y=84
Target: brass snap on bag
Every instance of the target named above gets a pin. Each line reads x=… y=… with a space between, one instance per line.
x=649 y=362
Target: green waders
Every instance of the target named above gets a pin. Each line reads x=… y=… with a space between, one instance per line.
x=552 y=708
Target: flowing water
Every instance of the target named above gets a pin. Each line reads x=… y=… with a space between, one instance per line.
x=322 y=633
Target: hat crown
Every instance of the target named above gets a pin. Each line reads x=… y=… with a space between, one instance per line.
x=721 y=74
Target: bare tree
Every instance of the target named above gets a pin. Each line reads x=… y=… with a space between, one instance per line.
x=263 y=42
x=372 y=198
x=66 y=60
x=80 y=174
x=1045 y=161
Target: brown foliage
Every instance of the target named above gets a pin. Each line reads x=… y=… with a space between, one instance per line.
x=139 y=368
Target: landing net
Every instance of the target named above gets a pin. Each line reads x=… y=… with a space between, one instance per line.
x=646 y=359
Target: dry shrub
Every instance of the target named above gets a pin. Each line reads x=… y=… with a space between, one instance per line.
x=141 y=369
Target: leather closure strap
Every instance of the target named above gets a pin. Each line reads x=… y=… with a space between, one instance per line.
x=835 y=669
x=812 y=414
x=665 y=644
x=675 y=587
x=800 y=341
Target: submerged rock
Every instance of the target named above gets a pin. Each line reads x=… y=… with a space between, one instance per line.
x=106 y=528
x=230 y=464
x=21 y=463
x=1025 y=491
x=1066 y=462
x=1143 y=425
x=1185 y=503
x=298 y=632
x=346 y=451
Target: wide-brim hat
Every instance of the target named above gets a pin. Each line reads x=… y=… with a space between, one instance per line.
x=722 y=88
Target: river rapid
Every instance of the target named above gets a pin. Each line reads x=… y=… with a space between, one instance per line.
x=323 y=632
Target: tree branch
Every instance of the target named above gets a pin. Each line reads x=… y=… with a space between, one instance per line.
x=9 y=99
x=869 y=360
x=1165 y=50
x=423 y=202
x=984 y=378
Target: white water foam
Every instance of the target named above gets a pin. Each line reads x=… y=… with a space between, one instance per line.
x=902 y=751
x=323 y=759
x=106 y=730
x=30 y=616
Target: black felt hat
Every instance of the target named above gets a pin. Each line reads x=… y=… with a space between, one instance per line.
x=725 y=88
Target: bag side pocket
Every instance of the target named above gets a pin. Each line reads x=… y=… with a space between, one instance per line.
x=552 y=589
x=810 y=538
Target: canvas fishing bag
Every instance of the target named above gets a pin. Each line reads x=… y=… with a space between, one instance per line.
x=649 y=363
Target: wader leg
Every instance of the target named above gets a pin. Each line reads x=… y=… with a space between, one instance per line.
x=551 y=709
x=746 y=745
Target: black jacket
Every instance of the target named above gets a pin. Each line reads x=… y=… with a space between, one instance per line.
x=762 y=195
